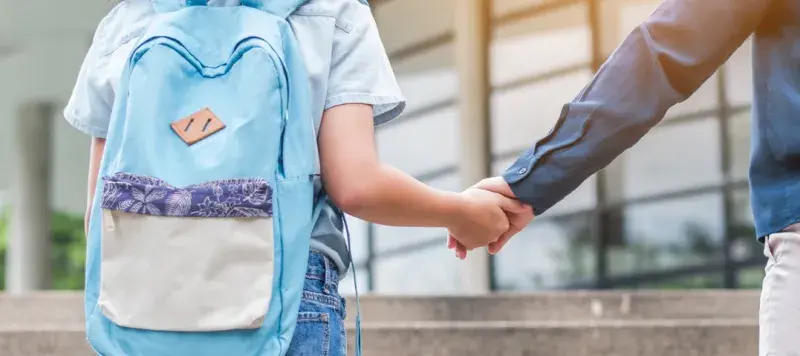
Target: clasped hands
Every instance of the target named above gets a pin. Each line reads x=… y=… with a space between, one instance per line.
x=491 y=218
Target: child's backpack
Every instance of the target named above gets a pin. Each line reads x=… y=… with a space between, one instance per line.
x=201 y=224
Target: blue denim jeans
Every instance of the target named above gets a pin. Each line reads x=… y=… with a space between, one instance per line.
x=320 y=327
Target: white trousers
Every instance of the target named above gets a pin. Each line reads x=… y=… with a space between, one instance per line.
x=779 y=316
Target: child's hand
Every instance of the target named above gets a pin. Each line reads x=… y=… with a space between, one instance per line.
x=518 y=218
x=483 y=219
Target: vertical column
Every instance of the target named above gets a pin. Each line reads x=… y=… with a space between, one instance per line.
x=28 y=253
x=472 y=38
x=607 y=220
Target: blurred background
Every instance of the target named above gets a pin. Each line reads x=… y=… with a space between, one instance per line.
x=673 y=212
x=484 y=80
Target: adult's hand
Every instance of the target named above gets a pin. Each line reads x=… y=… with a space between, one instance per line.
x=482 y=218
x=518 y=218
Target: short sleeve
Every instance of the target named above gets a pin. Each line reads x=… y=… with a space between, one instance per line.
x=360 y=71
x=89 y=106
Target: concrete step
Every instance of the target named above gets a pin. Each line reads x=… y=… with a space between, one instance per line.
x=720 y=337
x=67 y=307
x=603 y=338
x=570 y=305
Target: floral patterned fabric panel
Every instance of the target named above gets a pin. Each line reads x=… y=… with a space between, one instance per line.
x=232 y=198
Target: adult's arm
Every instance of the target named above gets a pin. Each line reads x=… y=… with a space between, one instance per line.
x=661 y=63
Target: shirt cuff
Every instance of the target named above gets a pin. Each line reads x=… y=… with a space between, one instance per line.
x=517 y=178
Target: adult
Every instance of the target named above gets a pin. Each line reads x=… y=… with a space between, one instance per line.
x=661 y=63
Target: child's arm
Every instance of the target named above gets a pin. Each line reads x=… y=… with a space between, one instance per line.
x=95 y=156
x=362 y=186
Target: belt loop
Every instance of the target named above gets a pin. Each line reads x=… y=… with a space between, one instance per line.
x=329 y=283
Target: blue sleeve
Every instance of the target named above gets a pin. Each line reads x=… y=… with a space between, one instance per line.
x=661 y=63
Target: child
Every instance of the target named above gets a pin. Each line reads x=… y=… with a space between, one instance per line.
x=353 y=88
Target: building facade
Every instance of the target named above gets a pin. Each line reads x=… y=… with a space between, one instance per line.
x=672 y=212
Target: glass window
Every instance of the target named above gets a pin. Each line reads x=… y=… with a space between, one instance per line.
x=751 y=277
x=694 y=281
x=667 y=234
x=671 y=158
x=541 y=44
x=423 y=84
x=745 y=246
x=739 y=125
x=739 y=76
x=346 y=286
x=430 y=19
x=504 y=7
x=433 y=270
x=421 y=145
x=549 y=254
x=632 y=13
x=523 y=115
x=358 y=237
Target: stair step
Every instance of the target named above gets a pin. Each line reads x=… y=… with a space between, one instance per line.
x=67 y=307
x=626 y=338
x=590 y=305
x=720 y=337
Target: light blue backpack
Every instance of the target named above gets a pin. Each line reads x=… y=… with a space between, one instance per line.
x=200 y=231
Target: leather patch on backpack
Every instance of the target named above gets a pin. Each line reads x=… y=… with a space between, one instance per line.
x=197 y=126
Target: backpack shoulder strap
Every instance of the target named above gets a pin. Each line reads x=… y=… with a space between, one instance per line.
x=280 y=8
